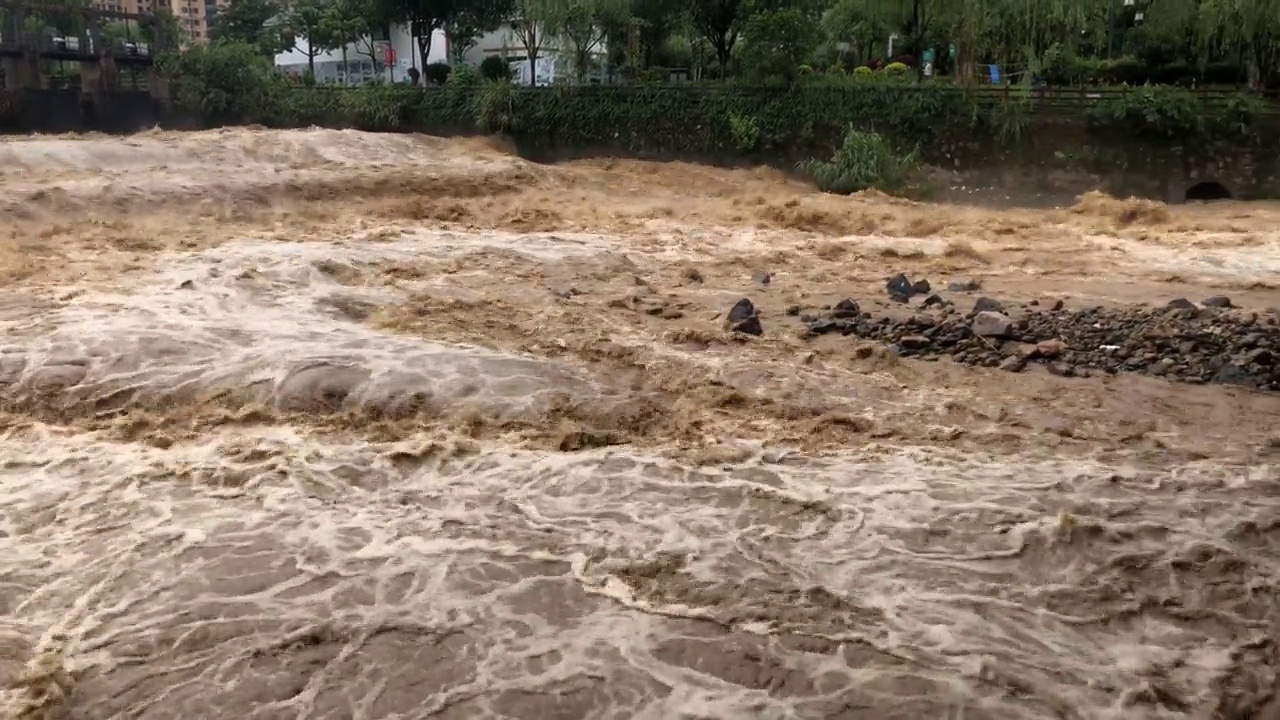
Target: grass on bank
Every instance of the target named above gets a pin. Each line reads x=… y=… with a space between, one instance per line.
x=864 y=161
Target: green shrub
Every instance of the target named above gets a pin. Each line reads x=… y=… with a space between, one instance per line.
x=863 y=161
x=896 y=68
x=862 y=70
x=1060 y=69
x=1151 y=112
x=455 y=106
x=225 y=84
x=655 y=75
x=382 y=107
x=1242 y=119
x=802 y=120
x=495 y=68
x=436 y=73
x=775 y=44
x=494 y=109
x=745 y=132
x=1009 y=120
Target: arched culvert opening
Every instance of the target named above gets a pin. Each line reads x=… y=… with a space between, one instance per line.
x=1208 y=190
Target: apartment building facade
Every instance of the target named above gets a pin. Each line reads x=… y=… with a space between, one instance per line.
x=194 y=16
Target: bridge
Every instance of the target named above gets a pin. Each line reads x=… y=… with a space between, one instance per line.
x=67 y=67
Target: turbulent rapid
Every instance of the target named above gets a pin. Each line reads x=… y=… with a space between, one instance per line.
x=318 y=424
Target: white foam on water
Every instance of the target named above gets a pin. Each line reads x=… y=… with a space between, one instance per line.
x=269 y=571
x=1260 y=261
x=251 y=320
x=288 y=574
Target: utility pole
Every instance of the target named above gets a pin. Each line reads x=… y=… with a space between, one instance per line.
x=1111 y=29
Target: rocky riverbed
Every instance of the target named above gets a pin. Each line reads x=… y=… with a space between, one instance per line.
x=1208 y=342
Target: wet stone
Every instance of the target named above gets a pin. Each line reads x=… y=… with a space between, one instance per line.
x=846 y=309
x=1062 y=369
x=991 y=324
x=986 y=304
x=826 y=327
x=1013 y=363
x=1233 y=375
x=741 y=310
x=749 y=326
x=900 y=289
x=1217 y=301
x=1175 y=345
x=1260 y=356
x=743 y=318
x=1049 y=348
x=1181 y=304
x=964 y=285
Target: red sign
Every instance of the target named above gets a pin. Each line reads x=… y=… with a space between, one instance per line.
x=389 y=55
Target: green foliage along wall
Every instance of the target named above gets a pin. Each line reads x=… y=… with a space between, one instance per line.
x=721 y=121
x=227 y=84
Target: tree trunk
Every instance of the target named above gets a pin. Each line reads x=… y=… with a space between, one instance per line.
x=724 y=50
x=346 y=70
x=424 y=47
x=529 y=38
x=365 y=46
x=962 y=70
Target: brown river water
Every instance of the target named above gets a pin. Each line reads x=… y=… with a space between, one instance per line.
x=321 y=424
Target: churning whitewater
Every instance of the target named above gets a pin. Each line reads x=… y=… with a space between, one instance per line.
x=318 y=424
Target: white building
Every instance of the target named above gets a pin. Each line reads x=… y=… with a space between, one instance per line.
x=403 y=51
x=554 y=57
x=395 y=45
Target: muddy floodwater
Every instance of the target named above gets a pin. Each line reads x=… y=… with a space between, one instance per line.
x=326 y=425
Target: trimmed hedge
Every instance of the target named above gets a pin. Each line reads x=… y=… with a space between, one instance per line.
x=804 y=119
x=1129 y=71
x=798 y=121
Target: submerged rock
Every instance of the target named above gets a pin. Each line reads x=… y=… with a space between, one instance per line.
x=743 y=318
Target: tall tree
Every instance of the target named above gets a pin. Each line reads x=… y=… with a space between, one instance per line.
x=306 y=19
x=718 y=21
x=655 y=22
x=581 y=24
x=852 y=30
x=361 y=18
x=1245 y=31
x=474 y=19
x=253 y=22
x=424 y=18
x=343 y=25
x=776 y=43
x=528 y=26
x=163 y=30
